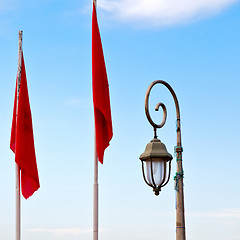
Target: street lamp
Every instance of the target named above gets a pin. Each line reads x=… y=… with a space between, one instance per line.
x=155 y=159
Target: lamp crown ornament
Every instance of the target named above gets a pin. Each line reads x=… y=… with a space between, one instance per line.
x=155 y=149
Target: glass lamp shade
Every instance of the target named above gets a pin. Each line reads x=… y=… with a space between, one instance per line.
x=155 y=171
x=154 y=165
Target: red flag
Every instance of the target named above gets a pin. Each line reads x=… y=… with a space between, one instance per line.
x=22 y=142
x=101 y=100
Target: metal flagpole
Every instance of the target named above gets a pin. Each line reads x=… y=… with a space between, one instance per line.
x=95 y=183
x=18 y=196
x=95 y=194
x=18 y=210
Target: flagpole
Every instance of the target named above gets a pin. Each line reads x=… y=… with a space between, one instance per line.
x=18 y=196
x=18 y=217
x=95 y=183
x=95 y=194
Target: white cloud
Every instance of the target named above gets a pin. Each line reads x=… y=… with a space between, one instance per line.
x=61 y=231
x=162 y=12
x=225 y=213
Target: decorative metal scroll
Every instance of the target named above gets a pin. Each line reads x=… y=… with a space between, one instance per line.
x=155 y=126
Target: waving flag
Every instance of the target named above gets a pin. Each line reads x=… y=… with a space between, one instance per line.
x=22 y=142
x=101 y=100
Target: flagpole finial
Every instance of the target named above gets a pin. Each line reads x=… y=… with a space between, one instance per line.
x=19 y=56
x=20 y=34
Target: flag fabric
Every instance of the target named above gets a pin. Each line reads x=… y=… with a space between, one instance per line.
x=101 y=99
x=22 y=142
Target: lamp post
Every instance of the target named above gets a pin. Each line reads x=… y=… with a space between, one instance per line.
x=155 y=159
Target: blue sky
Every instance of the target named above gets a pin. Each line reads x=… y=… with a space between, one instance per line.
x=193 y=46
